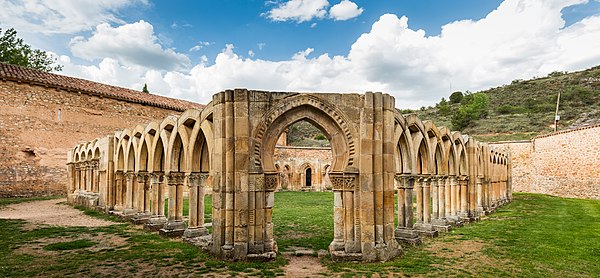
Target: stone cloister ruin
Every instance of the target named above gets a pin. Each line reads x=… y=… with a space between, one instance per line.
x=226 y=150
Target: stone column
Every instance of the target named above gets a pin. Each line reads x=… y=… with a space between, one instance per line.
x=89 y=177
x=143 y=198
x=434 y=198
x=424 y=227
x=175 y=225
x=419 y=191
x=129 y=186
x=439 y=222
x=157 y=220
x=96 y=175
x=118 y=191
x=196 y=184
x=405 y=233
x=479 y=184
x=464 y=212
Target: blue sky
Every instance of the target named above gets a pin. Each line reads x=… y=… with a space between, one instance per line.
x=418 y=51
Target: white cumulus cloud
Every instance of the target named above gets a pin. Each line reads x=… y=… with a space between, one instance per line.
x=298 y=10
x=345 y=10
x=518 y=40
x=132 y=44
x=61 y=16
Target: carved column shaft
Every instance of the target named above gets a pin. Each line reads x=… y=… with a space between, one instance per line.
x=434 y=198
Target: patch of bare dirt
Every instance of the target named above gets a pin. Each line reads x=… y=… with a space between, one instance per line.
x=50 y=212
x=467 y=256
x=304 y=266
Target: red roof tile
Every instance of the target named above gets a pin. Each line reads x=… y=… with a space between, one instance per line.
x=37 y=77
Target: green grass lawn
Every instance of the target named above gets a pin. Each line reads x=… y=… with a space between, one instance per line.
x=534 y=236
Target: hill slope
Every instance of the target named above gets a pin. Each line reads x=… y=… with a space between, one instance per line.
x=525 y=109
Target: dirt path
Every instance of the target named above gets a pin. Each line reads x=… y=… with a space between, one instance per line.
x=50 y=212
x=304 y=266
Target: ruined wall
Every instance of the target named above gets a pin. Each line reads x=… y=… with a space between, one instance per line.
x=566 y=163
x=39 y=124
x=293 y=161
x=520 y=152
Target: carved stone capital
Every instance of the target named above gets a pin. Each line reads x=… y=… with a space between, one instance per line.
x=176 y=178
x=343 y=181
x=142 y=176
x=271 y=181
x=405 y=181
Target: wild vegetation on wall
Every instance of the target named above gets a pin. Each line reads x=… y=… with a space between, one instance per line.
x=522 y=109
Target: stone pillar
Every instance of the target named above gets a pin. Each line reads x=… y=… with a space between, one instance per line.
x=448 y=197
x=439 y=222
x=196 y=184
x=143 y=198
x=464 y=212
x=405 y=233
x=110 y=186
x=419 y=191
x=89 y=177
x=175 y=225
x=157 y=219
x=479 y=184
x=96 y=174
x=434 y=198
x=70 y=181
x=118 y=191
x=345 y=226
x=424 y=226
x=129 y=186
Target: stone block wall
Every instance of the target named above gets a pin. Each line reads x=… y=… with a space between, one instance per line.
x=565 y=163
x=39 y=124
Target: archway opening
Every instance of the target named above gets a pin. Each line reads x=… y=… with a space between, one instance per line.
x=302 y=212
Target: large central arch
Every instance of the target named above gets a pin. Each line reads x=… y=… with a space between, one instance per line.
x=361 y=131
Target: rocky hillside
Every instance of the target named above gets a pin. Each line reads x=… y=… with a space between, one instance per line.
x=526 y=108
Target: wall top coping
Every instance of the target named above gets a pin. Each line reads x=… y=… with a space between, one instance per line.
x=77 y=85
x=510 y=142
x=567 y=131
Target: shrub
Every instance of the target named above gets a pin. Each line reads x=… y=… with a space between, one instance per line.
x=456 y=97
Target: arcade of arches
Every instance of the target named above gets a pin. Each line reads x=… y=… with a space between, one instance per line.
x=227 y=150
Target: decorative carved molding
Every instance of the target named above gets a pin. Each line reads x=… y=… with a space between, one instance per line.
x=176 y=178
x=271 y=181
x=405 y=181
x=343 y=182
x=296 y=101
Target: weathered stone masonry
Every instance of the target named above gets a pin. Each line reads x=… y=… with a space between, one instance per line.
x=227 y=150
x=42 y=115
x=564 y=163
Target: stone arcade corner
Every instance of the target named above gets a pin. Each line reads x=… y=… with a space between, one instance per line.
x=226 y=150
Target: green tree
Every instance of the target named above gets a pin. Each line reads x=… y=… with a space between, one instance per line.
x=443 y=107
x=456 y=97
x=14 y=51
x=145 y=89
x=472 y=107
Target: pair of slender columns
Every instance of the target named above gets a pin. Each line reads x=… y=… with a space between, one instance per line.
x=142 y=198
x=422 y=188
x=405 y=201
x=196 y=182
x=157 y=181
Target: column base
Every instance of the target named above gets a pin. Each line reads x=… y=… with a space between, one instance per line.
x=441 y=225
x=155 y=223
x=204 y=242
x=406 y=236
x=174 y=228
x=192 y=232
x=339 y=254
x=425 y=230
x=141 y=218
x=455 y=221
